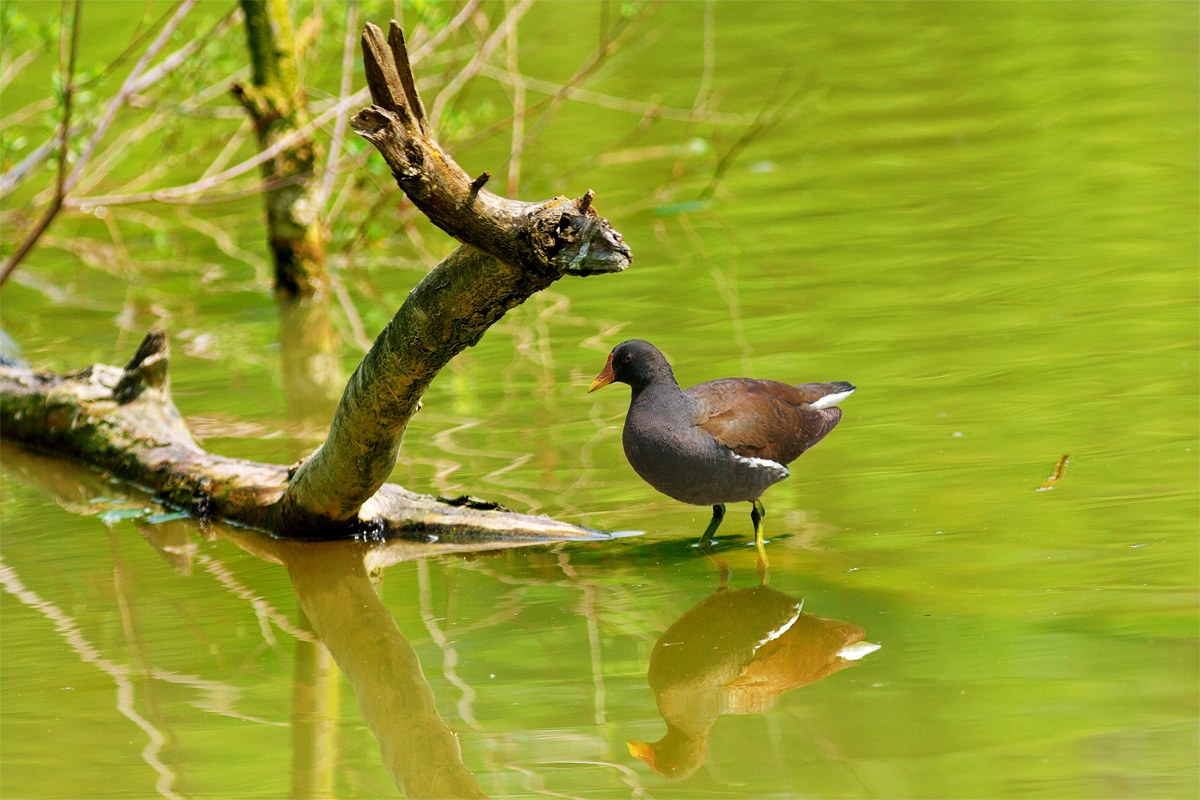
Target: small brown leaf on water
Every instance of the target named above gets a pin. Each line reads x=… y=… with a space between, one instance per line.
x=1057 y=473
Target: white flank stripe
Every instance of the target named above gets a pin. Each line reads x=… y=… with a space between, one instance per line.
x=831 y=400
x=782 y=629
x=763 y=463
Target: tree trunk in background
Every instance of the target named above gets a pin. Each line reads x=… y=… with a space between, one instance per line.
x=276 y=103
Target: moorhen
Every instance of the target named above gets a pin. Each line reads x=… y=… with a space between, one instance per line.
x=725 y=441
x=734 y=653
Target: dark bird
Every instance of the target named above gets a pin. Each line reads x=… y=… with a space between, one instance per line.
x=725 y=441
x=734 y=653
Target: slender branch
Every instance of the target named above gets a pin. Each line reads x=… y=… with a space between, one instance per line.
x=197 y=187
x=64 y=140
x=428 y=47
x=485 y=51
x=176 y=59
x=767 y=118
x=186 y=191
x=127 y=88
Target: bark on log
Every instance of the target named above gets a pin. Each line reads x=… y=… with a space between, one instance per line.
x=125 y=420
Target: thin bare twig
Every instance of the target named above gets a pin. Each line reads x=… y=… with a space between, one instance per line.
x=356 y=327
x=200 y=186
x=127 y=88
x=767 y=118
x=173 y=61
x=17 y=64
x=451 y=90
x=650 y=110
x=343 y=117
x=441 y=35
x=11 y=179
x=64 y=141
x=608 y=44
x=518 y=126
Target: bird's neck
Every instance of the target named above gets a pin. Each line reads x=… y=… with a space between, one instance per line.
x=663 y=388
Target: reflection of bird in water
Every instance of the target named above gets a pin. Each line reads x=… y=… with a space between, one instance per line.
x=724 y=441
x=734 y=653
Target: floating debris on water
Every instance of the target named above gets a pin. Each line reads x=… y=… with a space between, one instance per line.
x=1059 y=469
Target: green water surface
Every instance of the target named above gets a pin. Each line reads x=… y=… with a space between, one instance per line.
x=985 y=215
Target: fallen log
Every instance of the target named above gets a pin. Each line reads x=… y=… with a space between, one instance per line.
x=124 y=420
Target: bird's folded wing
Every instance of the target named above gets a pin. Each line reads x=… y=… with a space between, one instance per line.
x=762 y=419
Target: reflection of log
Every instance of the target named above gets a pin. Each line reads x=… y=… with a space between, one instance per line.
x=340 y=605
x=735 y=652
x=125 y=421
x=396 y=700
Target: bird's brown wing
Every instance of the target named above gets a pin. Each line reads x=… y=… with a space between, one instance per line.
x=762 y=419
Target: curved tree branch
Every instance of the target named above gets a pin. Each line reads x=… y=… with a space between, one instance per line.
x=510 y=250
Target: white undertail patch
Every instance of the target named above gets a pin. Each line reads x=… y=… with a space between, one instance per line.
x=830 y=400
x=853 y=652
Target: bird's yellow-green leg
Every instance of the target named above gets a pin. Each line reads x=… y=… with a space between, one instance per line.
x=757 y=513
x=764 y=566
x=718 y=515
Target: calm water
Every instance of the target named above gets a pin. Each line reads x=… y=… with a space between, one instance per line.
x=984 y=215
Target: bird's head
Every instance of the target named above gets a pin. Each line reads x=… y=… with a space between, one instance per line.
x=635 y=362
x=674 y=756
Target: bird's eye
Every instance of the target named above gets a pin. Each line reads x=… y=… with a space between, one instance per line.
x=628 y=358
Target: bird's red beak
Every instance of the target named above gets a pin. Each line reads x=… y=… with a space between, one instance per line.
x=605 y=377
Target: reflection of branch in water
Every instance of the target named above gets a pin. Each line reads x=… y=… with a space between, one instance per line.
x=536 y=784
x=69 y=630
x=445 y=441
x=135 y=643
x=419 y=750
x=588 y=609
x=449 y=654
x=316 y=688
x=629 y=777
x=263 y=610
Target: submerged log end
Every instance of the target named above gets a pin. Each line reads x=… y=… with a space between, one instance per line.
x=402 y=514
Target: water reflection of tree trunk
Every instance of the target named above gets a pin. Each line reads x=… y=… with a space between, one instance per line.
x=316 y=686
x=336 y=595
x=312 y=371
